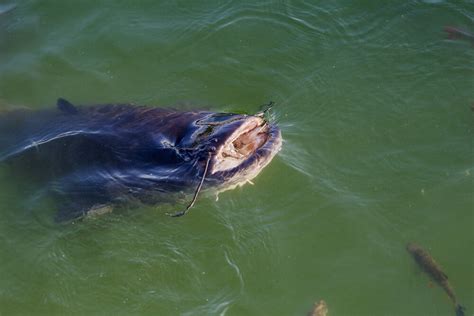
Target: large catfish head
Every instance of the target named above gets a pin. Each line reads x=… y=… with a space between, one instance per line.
x=238 y=146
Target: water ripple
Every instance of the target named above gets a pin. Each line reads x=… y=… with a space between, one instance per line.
x=237 y=270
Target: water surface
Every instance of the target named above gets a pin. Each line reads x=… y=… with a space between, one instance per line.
x=374 y=104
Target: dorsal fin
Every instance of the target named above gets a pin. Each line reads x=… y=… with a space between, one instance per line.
x=66 y=106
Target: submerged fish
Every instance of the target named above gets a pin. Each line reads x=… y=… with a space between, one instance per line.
x=457 y=33
x=433 y=269
x=319 y=309
x=91 y=157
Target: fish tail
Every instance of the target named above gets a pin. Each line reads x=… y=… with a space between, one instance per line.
x=460 y=310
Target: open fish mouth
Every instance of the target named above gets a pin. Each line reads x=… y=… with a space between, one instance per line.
x=248 y=149
x=244 y=146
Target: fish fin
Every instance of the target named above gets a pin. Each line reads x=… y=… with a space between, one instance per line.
x=99 y=210
x=69 y=212
x=66 y=106
x=80 y=207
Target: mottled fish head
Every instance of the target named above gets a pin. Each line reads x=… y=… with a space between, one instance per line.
x=238 y=146
x=413 y=248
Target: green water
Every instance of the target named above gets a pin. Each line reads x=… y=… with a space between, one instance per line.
x=374 y=105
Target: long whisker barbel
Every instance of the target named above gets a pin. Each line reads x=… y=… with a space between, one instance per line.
x=198 y=189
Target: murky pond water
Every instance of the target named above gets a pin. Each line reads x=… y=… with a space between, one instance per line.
x=374 y=105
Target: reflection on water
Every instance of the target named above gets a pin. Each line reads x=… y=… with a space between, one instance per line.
x=373 y=102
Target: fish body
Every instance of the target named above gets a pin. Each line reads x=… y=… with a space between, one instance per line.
x=434 y=270
x=117 y=153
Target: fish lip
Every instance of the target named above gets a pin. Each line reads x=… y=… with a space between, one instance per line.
x=252 y=164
